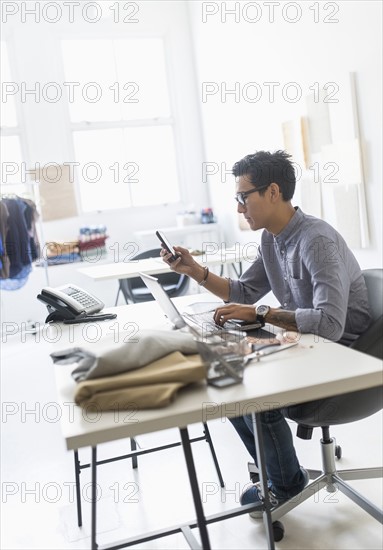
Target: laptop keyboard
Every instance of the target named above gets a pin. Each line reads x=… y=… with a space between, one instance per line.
x=205 y=320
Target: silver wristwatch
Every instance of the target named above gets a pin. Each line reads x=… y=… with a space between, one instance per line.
x=261 y=312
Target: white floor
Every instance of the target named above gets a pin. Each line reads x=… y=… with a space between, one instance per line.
x=38 y=504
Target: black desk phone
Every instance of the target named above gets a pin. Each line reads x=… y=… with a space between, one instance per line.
x=71 y=304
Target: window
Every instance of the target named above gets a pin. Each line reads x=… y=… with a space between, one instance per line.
x=8 y=108
x=10 y=147
x=123 y=135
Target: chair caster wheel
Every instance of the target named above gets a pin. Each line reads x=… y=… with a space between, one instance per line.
x=338 y=452
x=278 y=531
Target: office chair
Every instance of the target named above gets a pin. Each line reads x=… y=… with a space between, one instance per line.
x=340 y=409
x=135 y=291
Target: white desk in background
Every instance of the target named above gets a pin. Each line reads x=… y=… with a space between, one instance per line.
x=302 y=373
x=150 y=266
x=189 y=236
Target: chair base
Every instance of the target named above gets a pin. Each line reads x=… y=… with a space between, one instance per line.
x=333 y=480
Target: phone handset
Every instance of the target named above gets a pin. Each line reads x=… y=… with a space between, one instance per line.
x=70 y=302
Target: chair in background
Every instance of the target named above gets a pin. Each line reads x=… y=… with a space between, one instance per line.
x=340 y=409
x=135 y=291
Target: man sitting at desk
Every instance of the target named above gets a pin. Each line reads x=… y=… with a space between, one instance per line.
x=315 y=277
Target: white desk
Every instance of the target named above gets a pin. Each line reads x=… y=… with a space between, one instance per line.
x=193 y=236
x=302 y=373
x=150 y=266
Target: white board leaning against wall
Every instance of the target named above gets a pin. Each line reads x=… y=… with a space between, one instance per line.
x=325 y=143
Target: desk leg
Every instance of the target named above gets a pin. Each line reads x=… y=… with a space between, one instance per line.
x=258 y=438
x=195 y=489
x=78 y=489
x=212 y=450
x=94 y=499
x=133 y=447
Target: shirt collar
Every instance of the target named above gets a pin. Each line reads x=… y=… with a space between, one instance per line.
x=289 y=229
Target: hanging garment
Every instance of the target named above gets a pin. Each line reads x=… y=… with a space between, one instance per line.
x=31 y=217
x=5 y=263
x=20 y=246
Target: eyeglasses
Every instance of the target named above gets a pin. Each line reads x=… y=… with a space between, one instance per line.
x=241 y=197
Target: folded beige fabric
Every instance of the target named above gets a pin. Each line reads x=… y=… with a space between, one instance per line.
x=152 y=386
x=107 y=357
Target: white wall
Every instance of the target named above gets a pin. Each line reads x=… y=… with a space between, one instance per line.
x=230 y=49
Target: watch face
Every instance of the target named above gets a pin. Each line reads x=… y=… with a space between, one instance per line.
x=262 y=310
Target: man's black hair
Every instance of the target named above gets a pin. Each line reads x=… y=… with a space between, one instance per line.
x=264 y=168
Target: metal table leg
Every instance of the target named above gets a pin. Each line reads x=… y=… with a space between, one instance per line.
x=201 y=520
x=258 y=438
x=77 y=472
x=212 y=450
x=94 y=499
x=133 y=447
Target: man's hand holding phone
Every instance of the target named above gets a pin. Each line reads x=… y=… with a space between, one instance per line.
x=178 y=258
x=181 y=261
x=172 y=254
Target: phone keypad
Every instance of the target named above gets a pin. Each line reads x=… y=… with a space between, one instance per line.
x=84 y=299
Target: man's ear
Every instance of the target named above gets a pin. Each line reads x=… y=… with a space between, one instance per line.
x=274 y=191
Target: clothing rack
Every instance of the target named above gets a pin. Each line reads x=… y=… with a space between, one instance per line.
x=34 y=185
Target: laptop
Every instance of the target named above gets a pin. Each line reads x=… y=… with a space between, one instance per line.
x=197 y=321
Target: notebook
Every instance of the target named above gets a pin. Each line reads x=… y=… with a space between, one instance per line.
x=202 y=321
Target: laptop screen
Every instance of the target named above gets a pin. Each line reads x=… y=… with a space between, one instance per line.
x=163 y=300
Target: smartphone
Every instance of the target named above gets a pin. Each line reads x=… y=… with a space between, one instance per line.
x=245 y=325
x=165 y=243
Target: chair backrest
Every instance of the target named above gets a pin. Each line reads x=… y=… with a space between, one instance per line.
x=350 y=407
x=135 y=290
x=371 y=341
x=374 y=284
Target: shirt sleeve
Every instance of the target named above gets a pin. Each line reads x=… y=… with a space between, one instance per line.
x=330 y=282
x=252 y=285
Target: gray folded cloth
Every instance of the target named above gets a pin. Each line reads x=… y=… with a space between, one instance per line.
x=107 y=358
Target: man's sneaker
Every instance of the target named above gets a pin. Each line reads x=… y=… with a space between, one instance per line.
x=253 y=495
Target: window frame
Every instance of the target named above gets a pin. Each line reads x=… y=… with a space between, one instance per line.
x=117 y=124
x=18 y=130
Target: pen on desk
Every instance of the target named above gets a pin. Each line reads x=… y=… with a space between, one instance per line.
x=268 y=349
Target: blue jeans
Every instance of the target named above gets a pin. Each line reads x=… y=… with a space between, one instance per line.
x=283 y=470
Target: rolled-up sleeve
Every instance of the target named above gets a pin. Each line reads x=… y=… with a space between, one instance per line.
x=252 y=285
